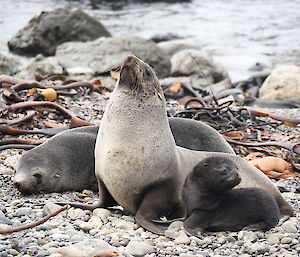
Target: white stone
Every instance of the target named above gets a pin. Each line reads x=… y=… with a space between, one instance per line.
x=282 y=83
x=182 y=239
x=50 y=208
x=137 y=248
x=103 y=214
x=86 y=248
x=11 y=160
x=75 y=214
x=289 y=227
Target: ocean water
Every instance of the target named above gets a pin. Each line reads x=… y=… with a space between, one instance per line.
x=237 y=33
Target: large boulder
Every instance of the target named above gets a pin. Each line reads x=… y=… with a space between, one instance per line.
x=8 y=65
x=282 y=83
x=190 y=61
x=103 y=53
x=45 y=32
x=41 y=65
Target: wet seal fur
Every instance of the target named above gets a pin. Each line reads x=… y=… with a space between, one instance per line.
x=212 y=205
x=137 y=160
x=67 y=162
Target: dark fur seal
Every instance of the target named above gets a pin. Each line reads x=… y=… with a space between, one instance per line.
x=66 y=161
x=213 y=205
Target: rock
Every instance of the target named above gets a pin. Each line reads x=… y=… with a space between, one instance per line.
x=247 y=236
x=75 y=214
x=7 y=171
x=4 y=220
x=103 y=53
x=103 y=214
x=164 y=37
x=137 y=248
x=176 y=225
x=282 y=83
x=182 y=239
x=41 y=65
x=286 y=240
x=289 y=227
x=23 y=211
x=126 y=225
x=50 y=208
x=45 y=32
x=11 y=160
x=190 y=61
x=86 y=248
x=8 y=65
x=173 y=46
x=95 y=222
x=273 y=238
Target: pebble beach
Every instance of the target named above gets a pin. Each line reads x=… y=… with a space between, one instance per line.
x=76 y=232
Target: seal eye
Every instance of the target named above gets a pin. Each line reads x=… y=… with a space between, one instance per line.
x=205 y=164
x=38 y=178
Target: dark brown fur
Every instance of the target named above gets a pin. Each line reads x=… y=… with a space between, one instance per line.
x=213 y=205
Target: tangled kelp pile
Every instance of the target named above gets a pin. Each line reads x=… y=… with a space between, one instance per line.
x=26 y=105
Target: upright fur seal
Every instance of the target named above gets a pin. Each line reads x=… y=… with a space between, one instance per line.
x=211 y=203
x=137 y=160
x=67 y=162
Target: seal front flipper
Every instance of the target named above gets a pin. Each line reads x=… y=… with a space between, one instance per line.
x=158 y=201
x=105 y=200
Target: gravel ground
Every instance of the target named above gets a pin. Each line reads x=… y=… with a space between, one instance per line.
x=75 y=232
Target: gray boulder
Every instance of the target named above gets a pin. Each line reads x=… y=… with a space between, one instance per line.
x=41 y=65
x=282 y=83
x=44 y=32
x=8 y=65
x=103 y=53
x=173 y=46
x=191 y=61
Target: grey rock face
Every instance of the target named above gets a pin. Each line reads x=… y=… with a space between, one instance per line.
x=103 y=53
x=8 y=65
x=44 y=32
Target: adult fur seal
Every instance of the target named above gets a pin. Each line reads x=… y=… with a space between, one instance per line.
x=137 y=160
x=211 y=203
x=66 y=161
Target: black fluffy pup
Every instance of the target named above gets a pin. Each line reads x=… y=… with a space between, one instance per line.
x=213 y=205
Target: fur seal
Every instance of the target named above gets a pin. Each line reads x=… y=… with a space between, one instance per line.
x=42 y=170
x=64 y=162
x=137 y=160
x=212 y=205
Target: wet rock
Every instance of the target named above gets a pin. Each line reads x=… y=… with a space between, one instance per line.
x=50 y=208
x=45 y=32
x=41 y=65
x=85 y=248
x=8 y=65
x=102 y=54
x=188 y=62
x=137 y=248
x=282 y=83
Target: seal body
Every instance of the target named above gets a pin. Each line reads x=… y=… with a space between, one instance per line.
x=64 y=162
x=59 y=161
x=211 y=203
x=136 y=157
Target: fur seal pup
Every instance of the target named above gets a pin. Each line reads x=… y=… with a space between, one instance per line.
x=51 y=167
x=137 y=160
x=212 y=205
